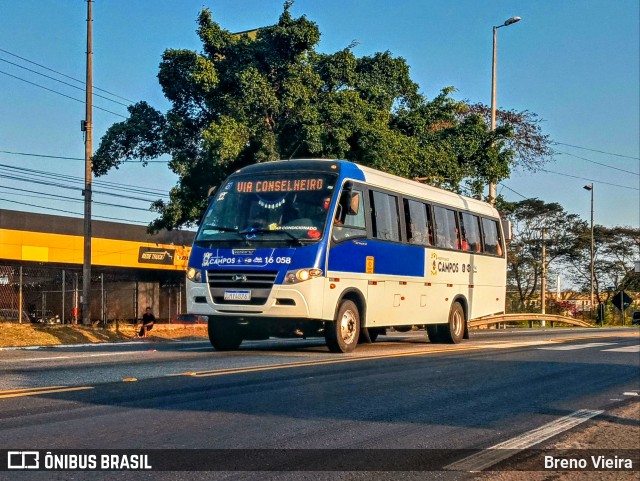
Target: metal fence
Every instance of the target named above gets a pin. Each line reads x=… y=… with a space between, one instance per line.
x=37 y=293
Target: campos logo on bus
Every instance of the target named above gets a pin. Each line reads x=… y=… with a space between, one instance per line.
x=442 y=264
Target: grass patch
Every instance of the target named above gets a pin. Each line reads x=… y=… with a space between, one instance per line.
x=23 y=335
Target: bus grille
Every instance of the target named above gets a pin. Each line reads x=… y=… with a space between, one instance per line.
x=258 y=282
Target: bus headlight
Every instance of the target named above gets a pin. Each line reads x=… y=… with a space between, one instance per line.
x=194 y=275
x=301 y=275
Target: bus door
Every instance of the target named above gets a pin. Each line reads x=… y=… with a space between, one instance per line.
x=349 y=246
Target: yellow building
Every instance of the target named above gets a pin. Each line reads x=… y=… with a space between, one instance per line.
x=41 y=259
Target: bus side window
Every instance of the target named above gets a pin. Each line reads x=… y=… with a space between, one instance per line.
x=470 y=232
x=446 y=228
x=492 y=240
x=384 y=212
x=418 y=222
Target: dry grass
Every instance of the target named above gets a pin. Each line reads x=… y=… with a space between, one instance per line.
x=21 y=335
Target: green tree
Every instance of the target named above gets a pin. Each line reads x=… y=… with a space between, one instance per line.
x=240 y=101
x=524 y=253
x=615 y=250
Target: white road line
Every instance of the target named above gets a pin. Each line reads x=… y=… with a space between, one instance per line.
x=577 y=346
x=624 y=349
x=630 y=394
x=500 y=452
x=79 y=356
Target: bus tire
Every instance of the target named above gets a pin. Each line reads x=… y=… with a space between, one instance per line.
x=342 y=334
x=433 y=332
x=224 y=335
x=453 y=331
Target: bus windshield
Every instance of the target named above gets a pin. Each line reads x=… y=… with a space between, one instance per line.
x=270 y=210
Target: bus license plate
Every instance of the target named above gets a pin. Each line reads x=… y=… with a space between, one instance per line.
x=237 y=295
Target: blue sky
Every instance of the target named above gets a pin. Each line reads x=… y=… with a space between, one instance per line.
x=574 y=63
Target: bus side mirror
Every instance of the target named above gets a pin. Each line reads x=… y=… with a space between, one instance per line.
x=507 y=229
x=354 y=203
x=212 y=191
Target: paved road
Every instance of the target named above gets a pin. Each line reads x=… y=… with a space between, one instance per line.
x=400 y=393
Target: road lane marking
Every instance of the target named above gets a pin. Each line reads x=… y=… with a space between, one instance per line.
x=454 y=349
x=624 y=349
x=240 y=370
x=576 y=346
x=79 y=356
x=9 y=393
x=501 y=451
x=630 y=394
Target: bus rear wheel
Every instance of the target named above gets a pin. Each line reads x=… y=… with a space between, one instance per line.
x=342 y=334
x=224 y=335
x=453 y=331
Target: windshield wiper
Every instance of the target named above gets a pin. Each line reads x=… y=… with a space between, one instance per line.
x=221 y=228
x=269 y=231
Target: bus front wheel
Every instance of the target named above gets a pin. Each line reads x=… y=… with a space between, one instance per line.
x=342 y=334
x=453 y=331
x=223 y=334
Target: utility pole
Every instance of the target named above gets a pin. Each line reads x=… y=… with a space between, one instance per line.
x=87 y=127
x=543 y=294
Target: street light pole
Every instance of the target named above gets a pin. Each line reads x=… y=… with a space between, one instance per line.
x=494 y=74
x=590 y=189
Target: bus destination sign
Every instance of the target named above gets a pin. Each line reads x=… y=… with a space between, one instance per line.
x=282 y=185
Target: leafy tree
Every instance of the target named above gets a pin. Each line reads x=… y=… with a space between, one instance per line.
x=524 y=255
x=615 y=250
x=242 y=101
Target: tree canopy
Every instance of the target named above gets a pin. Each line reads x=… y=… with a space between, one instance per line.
x=241 y=100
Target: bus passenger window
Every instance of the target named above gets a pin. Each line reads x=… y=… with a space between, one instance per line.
x=418 y=222
x=386 y=221
x=446 y=228
x=492 y=240
x=470 y=235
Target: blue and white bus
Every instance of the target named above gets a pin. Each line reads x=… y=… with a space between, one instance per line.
x=330 y=248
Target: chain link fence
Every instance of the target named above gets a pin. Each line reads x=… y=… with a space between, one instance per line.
x=52 y=295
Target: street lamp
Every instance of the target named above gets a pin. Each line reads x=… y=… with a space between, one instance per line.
x=590 y=189
x=511 y=21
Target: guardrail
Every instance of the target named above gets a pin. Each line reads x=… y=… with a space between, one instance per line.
x=552 y=318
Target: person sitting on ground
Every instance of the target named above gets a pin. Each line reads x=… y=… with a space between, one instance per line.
x=147 y=322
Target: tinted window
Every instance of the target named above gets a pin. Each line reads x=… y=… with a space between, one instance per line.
x=418 y=222
x=492 y=240
x=446 y=230
x=385 y=216
x=470 y=232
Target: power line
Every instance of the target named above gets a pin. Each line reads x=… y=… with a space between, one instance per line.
x=63 y=177
x=45 y=195
x=598 y=151
x=79 y=158
x=517 y=193
x=41 y=155
x=69 y=187
x=60 y=93
x=71 y=212
x=64 y=75
x=62 y=82
x=590 y=180
x=598 y=163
